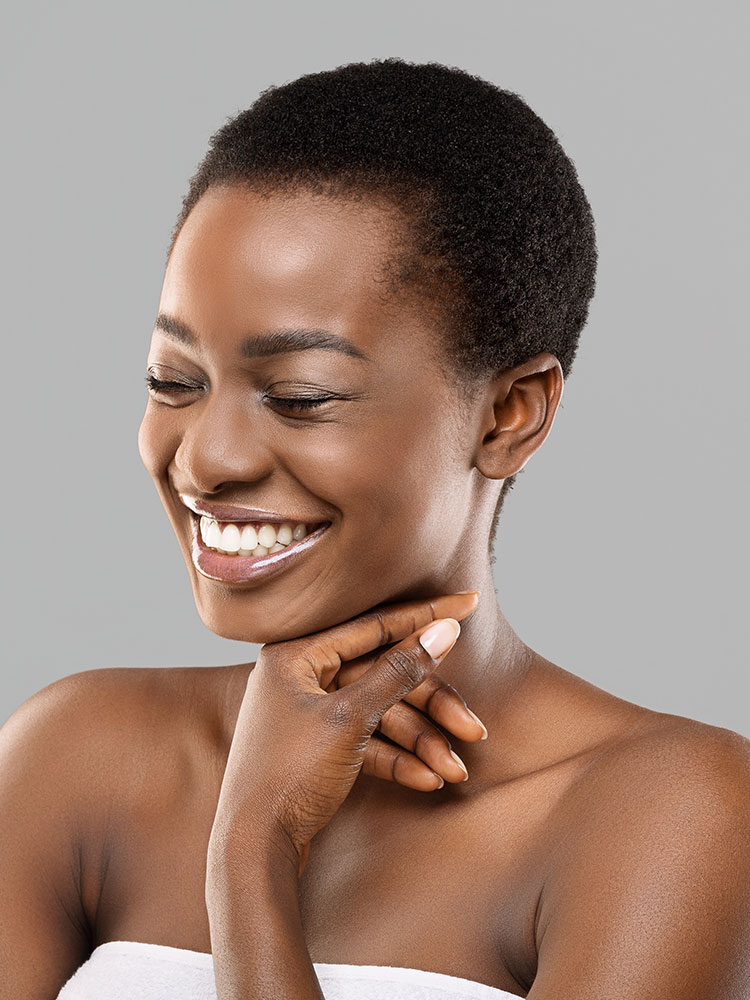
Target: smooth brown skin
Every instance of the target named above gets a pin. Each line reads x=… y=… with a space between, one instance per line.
x=598 y=849
x=267 y=817
x=311 y=763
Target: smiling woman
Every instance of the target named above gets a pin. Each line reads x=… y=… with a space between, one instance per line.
x=372 y=299
x=245 y=260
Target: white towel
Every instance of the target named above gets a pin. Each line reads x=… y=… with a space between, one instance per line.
x=134 y=970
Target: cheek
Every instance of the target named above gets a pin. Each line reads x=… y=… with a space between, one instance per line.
x=390 y=486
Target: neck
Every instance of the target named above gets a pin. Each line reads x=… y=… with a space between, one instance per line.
x=489 y=661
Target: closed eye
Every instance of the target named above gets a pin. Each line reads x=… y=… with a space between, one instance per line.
x=287 y=403
x=299 y=403
x=159 y=385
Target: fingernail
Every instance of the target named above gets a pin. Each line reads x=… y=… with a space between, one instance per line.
x=460 y=763
x=440 y=636
x=475 y=718
x=477 y=592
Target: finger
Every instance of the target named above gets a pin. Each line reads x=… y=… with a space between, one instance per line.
x=444 y=704
x=325 y=651
x=395 y=764
x=410 y=729
x=434 y=696
x=397 y=672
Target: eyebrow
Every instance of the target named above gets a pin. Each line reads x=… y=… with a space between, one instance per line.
x=265 y=344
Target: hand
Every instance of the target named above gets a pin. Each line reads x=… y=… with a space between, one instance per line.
x=423 y=758
x=311 y=706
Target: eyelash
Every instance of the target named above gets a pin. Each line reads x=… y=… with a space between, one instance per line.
x=289 y=403
x=157 y=385
x=303 y=403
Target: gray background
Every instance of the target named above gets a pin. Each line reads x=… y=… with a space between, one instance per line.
x=622 y=553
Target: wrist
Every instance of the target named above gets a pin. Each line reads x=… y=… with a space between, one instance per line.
x=249 y=854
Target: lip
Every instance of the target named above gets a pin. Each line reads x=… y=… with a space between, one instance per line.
x=238 y=515
x=248 y=569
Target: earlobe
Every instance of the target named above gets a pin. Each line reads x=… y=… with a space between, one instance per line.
x=520 y=409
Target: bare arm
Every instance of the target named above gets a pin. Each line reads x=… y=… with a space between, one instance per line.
x=43 y=931
x=256 y=929
x=650 y=897
x=296 y=752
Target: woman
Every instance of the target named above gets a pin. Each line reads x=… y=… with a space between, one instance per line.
x=373 y=295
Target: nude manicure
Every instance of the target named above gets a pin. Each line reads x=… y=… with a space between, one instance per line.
x=460 y=763
x=476 y=719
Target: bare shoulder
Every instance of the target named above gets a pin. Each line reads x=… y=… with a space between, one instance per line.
x=94 y=707
x=651 y=868
x=70 y=712
x=669 y=755
x=101 y=732
x=669 y=771
x=85 y=762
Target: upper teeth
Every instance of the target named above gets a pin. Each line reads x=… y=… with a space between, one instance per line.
x=249 y=539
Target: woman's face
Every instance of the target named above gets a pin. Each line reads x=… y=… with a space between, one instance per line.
x=385 y=461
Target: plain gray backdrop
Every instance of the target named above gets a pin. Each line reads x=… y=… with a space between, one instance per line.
x=622 y=553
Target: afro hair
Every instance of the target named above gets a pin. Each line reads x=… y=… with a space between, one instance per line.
x=500 y=236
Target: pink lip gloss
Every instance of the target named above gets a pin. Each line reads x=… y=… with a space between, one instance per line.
x=245 y=569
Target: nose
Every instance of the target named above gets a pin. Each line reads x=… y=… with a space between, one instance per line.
x=222 y=445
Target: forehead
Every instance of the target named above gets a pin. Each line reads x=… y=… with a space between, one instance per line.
x=247 y=261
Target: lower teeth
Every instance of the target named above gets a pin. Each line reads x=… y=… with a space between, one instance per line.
x=259 y=550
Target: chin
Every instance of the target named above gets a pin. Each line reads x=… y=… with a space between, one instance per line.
x=225 y=621
x=263 y=614
x=225 y=617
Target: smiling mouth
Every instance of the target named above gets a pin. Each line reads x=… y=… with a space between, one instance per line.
x=219 y=554
x=251 y=538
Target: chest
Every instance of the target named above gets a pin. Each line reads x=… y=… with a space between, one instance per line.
x=444 y=882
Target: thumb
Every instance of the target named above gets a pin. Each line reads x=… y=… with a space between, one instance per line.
x=402 y=668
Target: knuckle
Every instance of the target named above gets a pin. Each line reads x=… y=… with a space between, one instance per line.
x=383 y=759
x=317 y=655
x=408 y=621
x=379 y=616
x=429 y=738
x=406 y=665
x=374 y=752
x=305 y=650
x=440 y=694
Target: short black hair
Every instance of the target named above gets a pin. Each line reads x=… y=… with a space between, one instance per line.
x=500 y=233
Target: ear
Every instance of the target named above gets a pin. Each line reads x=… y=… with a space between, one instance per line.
x=519 y=409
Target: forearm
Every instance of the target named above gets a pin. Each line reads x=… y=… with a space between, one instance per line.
x=257 y=940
